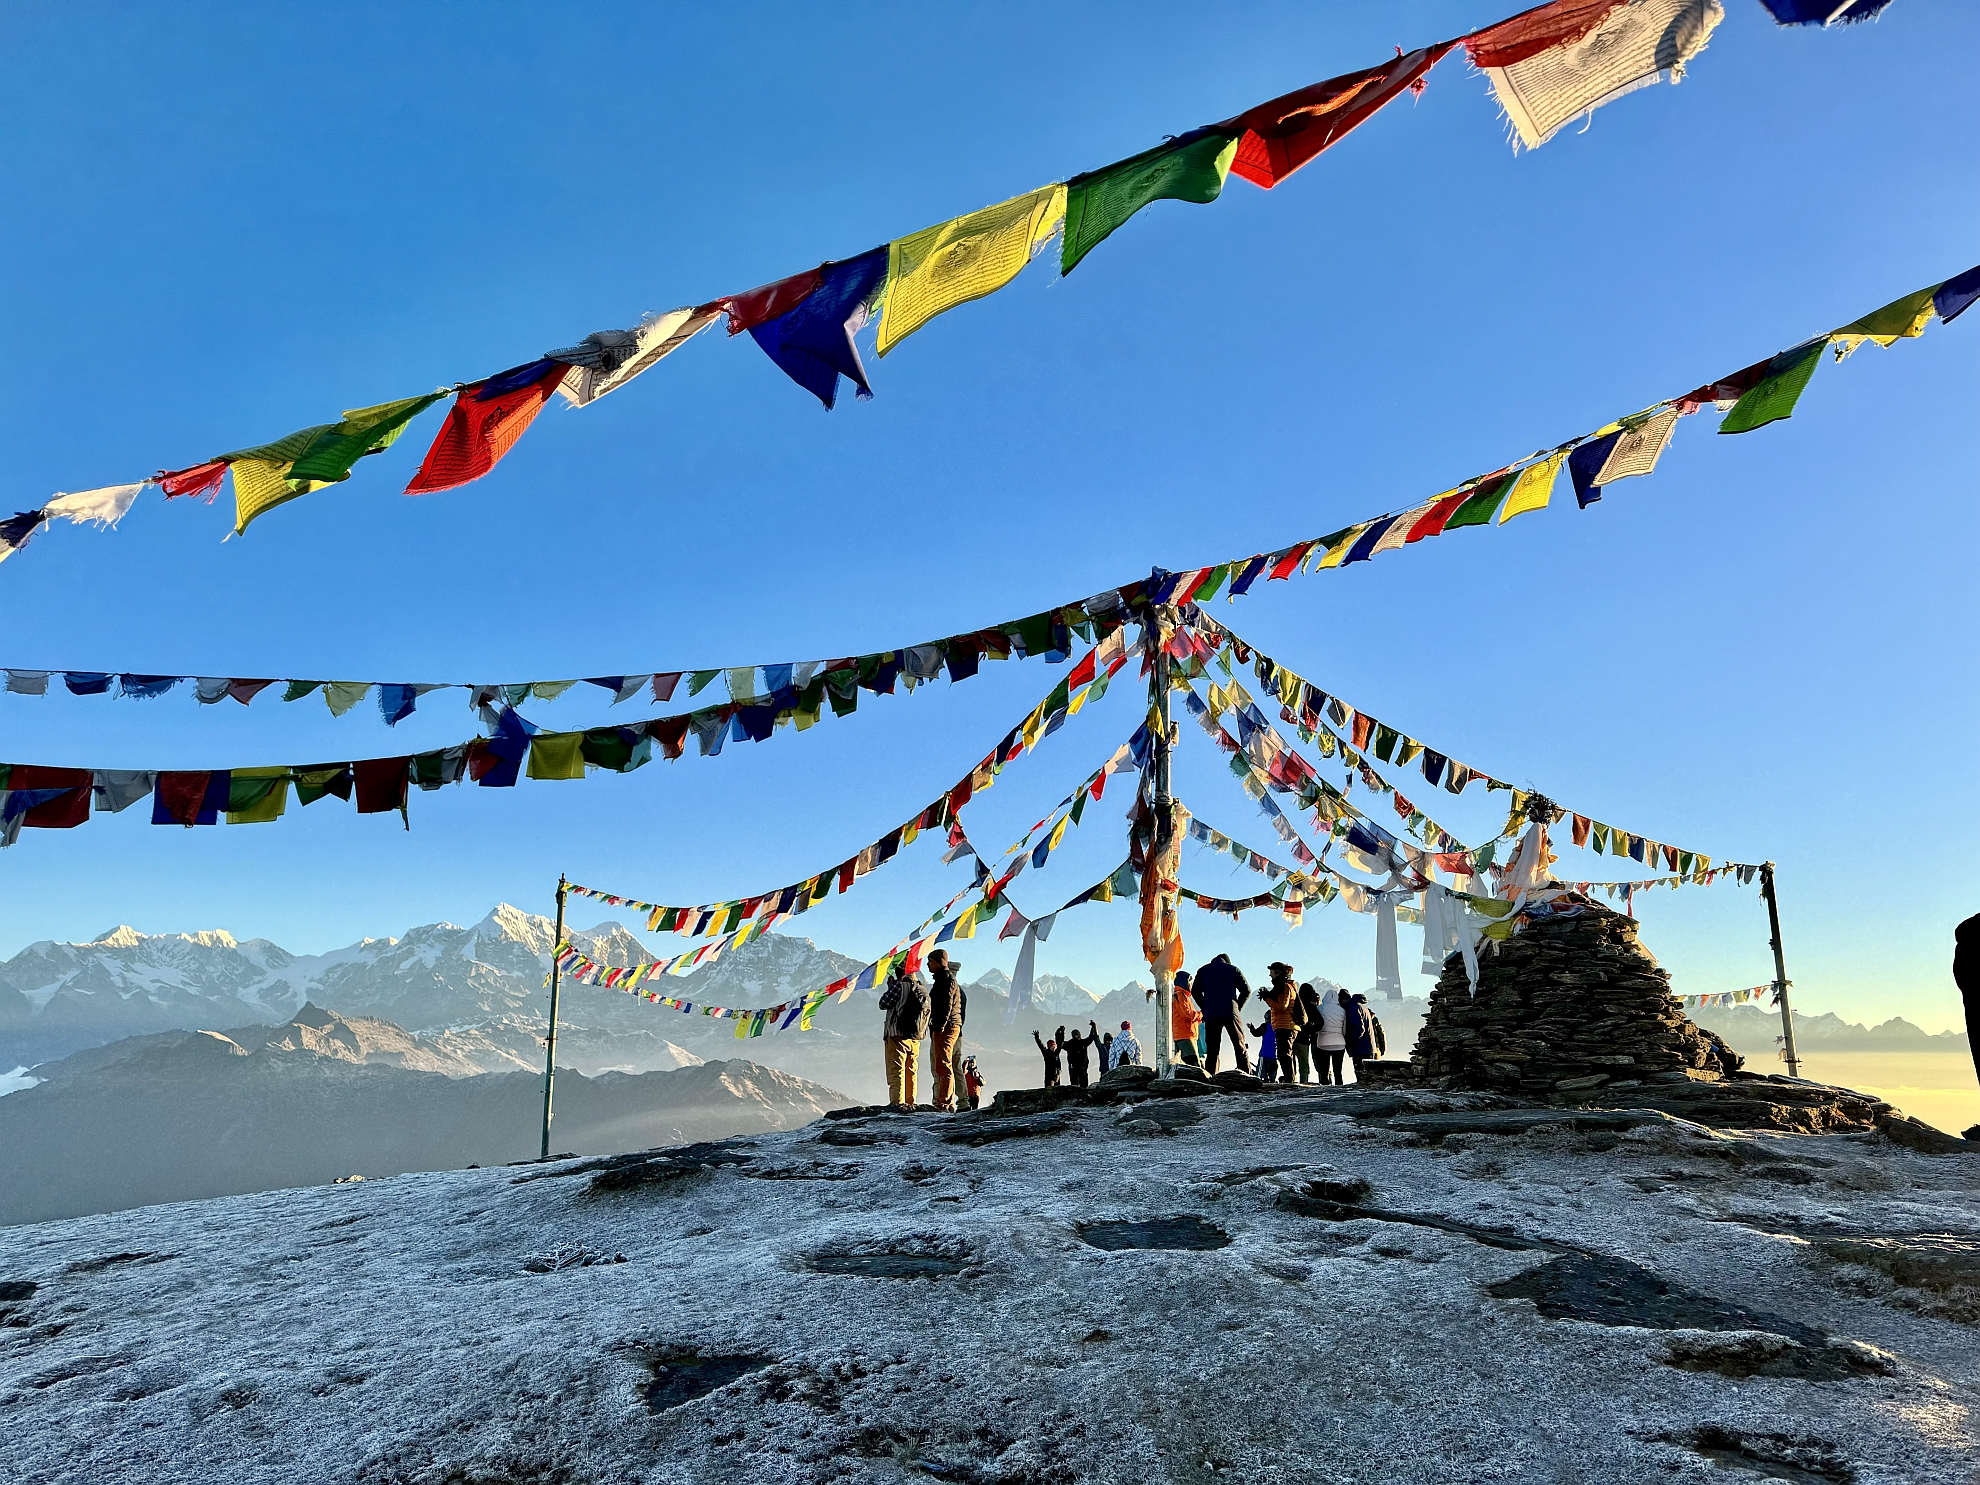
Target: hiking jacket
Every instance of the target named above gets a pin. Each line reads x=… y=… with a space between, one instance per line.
x=946 y=1001
x=905 y=1000
x=1220 y=988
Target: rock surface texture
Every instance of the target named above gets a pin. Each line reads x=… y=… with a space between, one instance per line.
x=1361 y=1286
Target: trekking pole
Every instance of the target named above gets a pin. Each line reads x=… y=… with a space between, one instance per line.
x=1780 y=969
x=550 y=1043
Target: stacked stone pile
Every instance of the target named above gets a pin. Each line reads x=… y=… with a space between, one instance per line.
x=1570 y=1005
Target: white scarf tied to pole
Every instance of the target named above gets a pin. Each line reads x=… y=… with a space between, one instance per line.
x=1022 y=976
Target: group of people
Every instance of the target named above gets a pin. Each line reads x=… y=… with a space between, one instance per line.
x=933 y=1012
x=1307 y=1032
x=1304 y=1027
x=1117 y=1049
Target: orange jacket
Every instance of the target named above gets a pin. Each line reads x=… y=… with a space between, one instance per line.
x=1283 y=998
x=1184 y=1015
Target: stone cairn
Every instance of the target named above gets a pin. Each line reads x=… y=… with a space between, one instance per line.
x=1570 y=1005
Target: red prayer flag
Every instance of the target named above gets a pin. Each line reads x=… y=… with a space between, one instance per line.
x=200 y=479
x=246 y=691
x=381 y=784
x=1431 y=522
x=1289 y=561
x=1280 y=136
x=477 y=434
x=178 y=796
x=64 y=810
x=670 y=733
x=1082 y=672
x=1534 y=31
x=1726 y=389
x=1364 y=725
x=760 y=306
x=1581 y=827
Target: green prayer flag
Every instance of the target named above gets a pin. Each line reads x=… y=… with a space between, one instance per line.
x=297 y=690
x=1483 y=505
x=1212 y=581
x=1774 y=398
x=365 y=430
x=1386 y=738
x=1079 y=807
x=1035 y=632
x=1191 y=168
x=614 y=748
x=699 y=679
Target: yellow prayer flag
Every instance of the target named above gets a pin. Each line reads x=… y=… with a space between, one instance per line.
x=261 y=485
x=940 y=267
x=1058 y=834
x=341 y=696
x=1340 y=549
x=1899 y=320
x=1534 y=487
x=556 y=755
x=267 y=809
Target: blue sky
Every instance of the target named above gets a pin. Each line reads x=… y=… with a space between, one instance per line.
x=227 y=222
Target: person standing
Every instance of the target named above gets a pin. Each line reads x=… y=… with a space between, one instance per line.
x=973 y=1082
x=1050 y=1052
x=1282 y=1004
x=1309 y=1031
x=945 y=1024
x=905 y=1004
x=1331 y=1043
x=1268 y=1050
x=1127 y=1051
x=1357 y=1030
x=1221 y=990
x=1185 y=1019
x=1966 y=975
x=1077 y=1048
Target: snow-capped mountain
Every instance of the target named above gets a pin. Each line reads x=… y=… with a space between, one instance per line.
x=440 y=978
x=1050 y=994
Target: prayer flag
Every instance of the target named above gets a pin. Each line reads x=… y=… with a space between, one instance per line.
x=1953 y=296
x=364 y=430
x=1585 y=462
x=484 y=424
x=199 y=479
x=1630 y=47
x=1901 y=319
x=606 y=360
x=257 y=796
x=1822 y=12
x=1537 y=30
x=1482 y=503
x=556 y=755
x=760 y=306
x=940 y=267
x=812 y=342
x=1190 y=168
x=1776 y=394
x=381 y=784
x=1636 y=450
x=1533 y=487
x=1278 y=137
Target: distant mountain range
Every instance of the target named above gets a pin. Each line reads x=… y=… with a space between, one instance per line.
x=180 y=1115
x=1753 y=1029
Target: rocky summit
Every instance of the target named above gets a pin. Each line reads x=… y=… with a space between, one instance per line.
x=1362 y=1286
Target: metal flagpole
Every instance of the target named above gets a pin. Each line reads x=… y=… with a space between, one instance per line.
x=550 y=1044
x=1158 y=629
x=1780 y=968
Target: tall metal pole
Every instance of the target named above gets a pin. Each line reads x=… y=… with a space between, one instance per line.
x=1780 y=968
x=1159 y=627
x=550 y=1043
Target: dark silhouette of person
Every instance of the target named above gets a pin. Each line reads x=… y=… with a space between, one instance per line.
x=1076 y=1048
x=1051 y=1053
x=1966 y=975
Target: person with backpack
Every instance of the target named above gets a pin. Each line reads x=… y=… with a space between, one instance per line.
x=946 y=1001
x=1221 y=991
x=1309 y=1031
x=905 y=1005
x=1282 y=1005
x=1050 y=1052
x=1076 y=1048
x=1358 y=1030
x=972 y=1079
